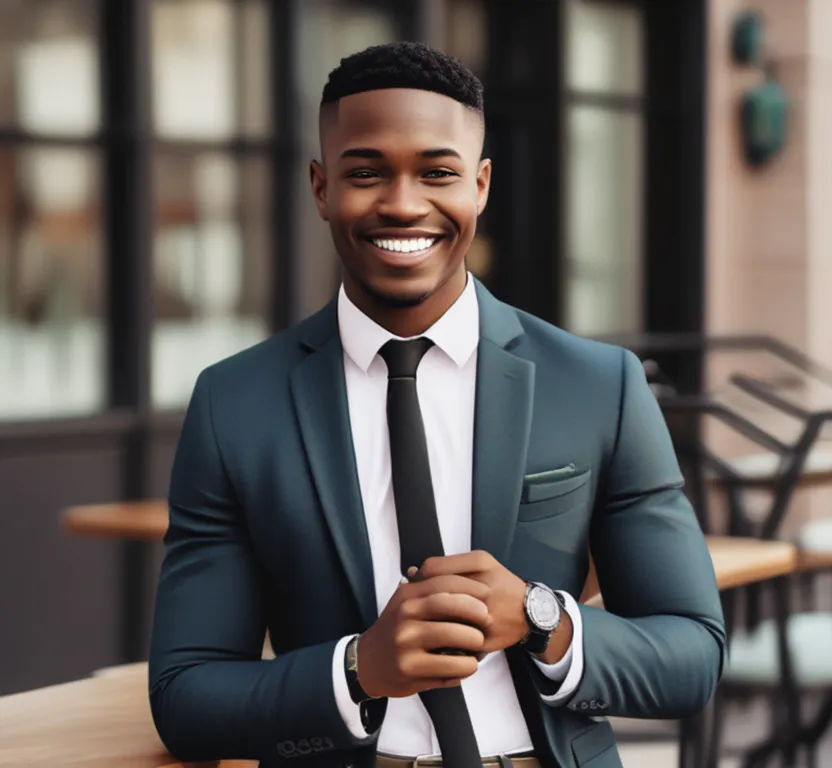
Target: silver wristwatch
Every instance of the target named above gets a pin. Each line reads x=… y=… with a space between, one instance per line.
x=543 y=608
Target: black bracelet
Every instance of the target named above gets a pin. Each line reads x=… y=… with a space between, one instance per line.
x=372 y=710
x=357 y=692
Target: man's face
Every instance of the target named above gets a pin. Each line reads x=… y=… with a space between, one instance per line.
x=401 y=185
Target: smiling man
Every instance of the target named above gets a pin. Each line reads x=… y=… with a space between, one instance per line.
x=402 y=490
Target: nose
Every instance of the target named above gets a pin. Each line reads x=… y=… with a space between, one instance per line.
x=402 y=202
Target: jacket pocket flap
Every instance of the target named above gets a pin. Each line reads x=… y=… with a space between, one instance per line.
x=540 y=490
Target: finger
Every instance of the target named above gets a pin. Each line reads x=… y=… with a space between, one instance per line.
x=450 y=583
x=447 y=606
x=429 y=666
x=434 y=635
x=465 y=563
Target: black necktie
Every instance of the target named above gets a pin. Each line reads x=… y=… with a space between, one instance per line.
x=419 y=528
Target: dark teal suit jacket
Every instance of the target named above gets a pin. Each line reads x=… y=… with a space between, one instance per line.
x=267 y=533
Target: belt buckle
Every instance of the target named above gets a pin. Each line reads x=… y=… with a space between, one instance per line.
x=426 y=761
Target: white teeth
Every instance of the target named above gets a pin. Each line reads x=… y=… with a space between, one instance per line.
x=412 y=245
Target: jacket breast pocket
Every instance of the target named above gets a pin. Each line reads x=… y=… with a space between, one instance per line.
x=542 y=499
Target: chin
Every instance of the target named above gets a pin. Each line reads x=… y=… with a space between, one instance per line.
x=398 y=296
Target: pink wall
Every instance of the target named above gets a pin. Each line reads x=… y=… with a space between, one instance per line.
x=769 y=231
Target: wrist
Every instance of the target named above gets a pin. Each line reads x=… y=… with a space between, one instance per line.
x=559 y=642
x=357 y=692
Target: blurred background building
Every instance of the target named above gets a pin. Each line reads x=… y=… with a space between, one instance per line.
x=155 y=217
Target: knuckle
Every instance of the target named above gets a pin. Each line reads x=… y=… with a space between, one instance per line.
x=409 y=609
x=402 y=637
x=404 y=666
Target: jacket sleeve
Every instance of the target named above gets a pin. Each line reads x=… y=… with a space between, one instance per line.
x=211 y=694
x=657 y=650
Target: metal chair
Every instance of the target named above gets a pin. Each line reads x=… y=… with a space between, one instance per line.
x=771 y=654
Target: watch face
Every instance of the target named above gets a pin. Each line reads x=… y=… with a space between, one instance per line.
x=544 y=609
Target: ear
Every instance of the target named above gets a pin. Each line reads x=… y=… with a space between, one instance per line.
x=483 y=185
x=317 y=177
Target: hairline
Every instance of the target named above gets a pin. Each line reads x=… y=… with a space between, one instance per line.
x=330 y=107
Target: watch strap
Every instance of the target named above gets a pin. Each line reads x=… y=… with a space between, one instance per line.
x=357 y=692
x=370 y=709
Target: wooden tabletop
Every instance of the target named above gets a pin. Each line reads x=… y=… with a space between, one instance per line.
x=142 y=520
x=737 y=561
x=101 y=722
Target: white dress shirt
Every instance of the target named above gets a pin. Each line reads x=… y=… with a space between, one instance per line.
x=446 y=383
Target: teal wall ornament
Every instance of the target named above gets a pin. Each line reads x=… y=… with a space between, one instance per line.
x=748 y=38
x=764 y=109
x=764 y=112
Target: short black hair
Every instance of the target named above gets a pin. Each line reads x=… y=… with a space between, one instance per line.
x=404 y=65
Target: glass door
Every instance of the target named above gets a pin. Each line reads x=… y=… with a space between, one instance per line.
x=603 y=163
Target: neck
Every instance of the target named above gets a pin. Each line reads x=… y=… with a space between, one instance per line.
x=408 y=321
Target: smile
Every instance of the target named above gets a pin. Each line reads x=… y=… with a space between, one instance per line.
x=412 y=245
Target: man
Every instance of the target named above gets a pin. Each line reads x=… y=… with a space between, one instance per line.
x=402 y=490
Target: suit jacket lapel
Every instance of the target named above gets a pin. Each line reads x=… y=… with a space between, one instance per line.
x=320 y=398
x=502 y=424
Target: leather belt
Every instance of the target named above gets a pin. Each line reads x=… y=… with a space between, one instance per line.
x=525 y=760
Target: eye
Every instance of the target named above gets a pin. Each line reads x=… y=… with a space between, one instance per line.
x=440 y=173
x=363 y=175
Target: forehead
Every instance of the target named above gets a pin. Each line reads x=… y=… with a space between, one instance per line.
x=400 y=119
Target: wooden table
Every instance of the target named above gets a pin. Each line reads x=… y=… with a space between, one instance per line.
x=736 y=562
x=138 y=520
x=105 y=720
x=101 y=722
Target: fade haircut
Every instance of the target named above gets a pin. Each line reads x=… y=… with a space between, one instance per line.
x=404 y=65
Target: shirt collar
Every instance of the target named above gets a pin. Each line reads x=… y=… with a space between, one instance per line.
x=456 y=333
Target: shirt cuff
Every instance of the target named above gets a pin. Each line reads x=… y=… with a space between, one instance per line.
x=350 y=711
x=570 y=669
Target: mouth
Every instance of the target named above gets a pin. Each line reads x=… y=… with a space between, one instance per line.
x=404 y=251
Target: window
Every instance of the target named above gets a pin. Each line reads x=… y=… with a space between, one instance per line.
x=52 y=337
x=212 y=250
x=604 y=157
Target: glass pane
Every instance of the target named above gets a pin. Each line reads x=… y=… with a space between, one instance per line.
x=328 y=30
x=466 y=33
x=604 y=47
x=51 y=332
x=212 y=256
x=49 y=79
x=256 y=74
x=210 y=68
x=604 y=221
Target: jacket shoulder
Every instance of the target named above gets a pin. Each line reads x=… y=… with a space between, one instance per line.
x=581 y=354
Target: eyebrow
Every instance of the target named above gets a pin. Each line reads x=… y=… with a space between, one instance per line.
x=367 y=153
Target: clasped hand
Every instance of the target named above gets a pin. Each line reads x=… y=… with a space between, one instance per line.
x=468 y=602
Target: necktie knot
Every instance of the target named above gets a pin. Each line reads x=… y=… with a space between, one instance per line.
x=403 y=357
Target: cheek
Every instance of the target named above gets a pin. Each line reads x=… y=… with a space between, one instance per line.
x=353 y=204
x=462 y=210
